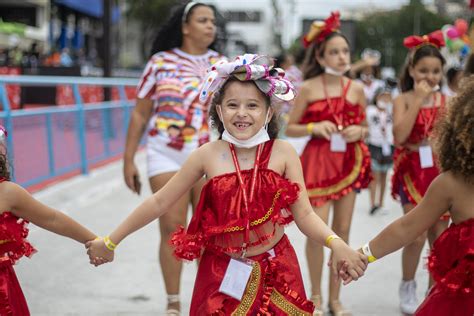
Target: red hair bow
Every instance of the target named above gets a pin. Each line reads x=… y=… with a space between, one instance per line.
x=319 y=30
x=435 y=38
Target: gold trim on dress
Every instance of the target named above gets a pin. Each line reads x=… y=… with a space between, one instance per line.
x=257 y=221
x=351 y=177
x=279 y=300
x=250 y=292
x=4 y=241
x=411 y=188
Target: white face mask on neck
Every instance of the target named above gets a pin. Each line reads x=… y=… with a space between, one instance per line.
x=259 y=138
x=334 y=72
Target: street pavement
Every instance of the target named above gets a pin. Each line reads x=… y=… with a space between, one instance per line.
x=58 y=280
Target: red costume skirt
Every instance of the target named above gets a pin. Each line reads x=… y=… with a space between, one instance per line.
x=330 y=175
x=12 y=300
x=410 y=177
x=451 y=263
x=275 y=286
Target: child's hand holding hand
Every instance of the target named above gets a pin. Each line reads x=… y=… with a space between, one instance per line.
x=98 y=252
x=346 y=262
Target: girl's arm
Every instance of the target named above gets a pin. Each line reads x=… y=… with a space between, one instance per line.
x=311 y=224
x=322 y=129
x=156 y=205
x=139 y=119
x=354 y=133
x=23 y=205
x=404 y=230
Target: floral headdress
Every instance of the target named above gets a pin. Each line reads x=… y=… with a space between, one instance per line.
x=248 y=67
x=319 y=30
x=435 y=39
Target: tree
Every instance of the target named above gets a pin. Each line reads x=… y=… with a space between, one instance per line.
x=386 y=30
x=150 y=14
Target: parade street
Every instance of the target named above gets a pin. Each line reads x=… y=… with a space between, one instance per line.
x=59 y=280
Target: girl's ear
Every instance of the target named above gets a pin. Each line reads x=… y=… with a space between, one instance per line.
x=219 y=112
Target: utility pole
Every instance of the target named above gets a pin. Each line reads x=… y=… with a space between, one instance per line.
x=106 y=46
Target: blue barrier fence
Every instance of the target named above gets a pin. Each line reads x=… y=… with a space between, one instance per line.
x=49 y=142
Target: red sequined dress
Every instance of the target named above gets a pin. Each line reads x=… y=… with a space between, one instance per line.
x=13 y=246
x=217 y=229
x=330 y=175
x=408 y=174
x=451 y=264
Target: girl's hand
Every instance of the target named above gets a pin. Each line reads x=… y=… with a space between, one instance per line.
x=353 y=133
x=98 y=252
x=422 y=89
x=324 y=129
x=346 y=262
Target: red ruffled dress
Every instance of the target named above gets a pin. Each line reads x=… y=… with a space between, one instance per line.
x=451 y=263
x=408 y=176
x=217 y=228
x=330 y=175
x=13 y=246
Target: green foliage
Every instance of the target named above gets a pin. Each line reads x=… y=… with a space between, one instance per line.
x=150 y=14
x=386 y=30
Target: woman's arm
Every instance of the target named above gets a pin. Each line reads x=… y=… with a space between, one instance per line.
x=138 y=121
x=405 y=229
x=23 y=205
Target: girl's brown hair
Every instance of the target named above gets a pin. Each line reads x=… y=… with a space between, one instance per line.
x=273 y=126
x=311 y=66
x=454 y=133
x=4 y=168
x=406 y=81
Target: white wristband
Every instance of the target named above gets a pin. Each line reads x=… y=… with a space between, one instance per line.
x=366 y=251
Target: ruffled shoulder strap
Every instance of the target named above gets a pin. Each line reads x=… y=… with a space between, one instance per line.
x=266 y=153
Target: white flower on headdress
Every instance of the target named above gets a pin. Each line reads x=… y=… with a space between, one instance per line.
x=253 y=67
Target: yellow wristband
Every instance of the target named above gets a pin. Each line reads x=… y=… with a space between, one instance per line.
x=109 y=244
x=309 y=128
x=366 y=251
x=331 y=238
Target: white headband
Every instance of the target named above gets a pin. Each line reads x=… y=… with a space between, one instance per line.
x=187 y=8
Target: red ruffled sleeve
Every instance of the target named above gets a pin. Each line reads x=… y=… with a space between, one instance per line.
x=13 y=233
x=451 y=261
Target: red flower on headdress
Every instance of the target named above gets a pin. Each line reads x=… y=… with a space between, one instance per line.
x=319 y=30
x=435 y=38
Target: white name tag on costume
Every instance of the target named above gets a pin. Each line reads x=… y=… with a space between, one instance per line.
x=386 y=149
x=426 y=156
x=236 y=278
x=338 y=143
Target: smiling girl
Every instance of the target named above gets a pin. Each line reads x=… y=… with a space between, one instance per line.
x=254 y=188
x=336 y=163
x=414 y=115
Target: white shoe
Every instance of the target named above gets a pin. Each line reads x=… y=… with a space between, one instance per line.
x=408 y=300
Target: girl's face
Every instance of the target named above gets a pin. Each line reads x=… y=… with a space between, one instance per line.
x=429 y=69
x=201 y=25
x=243 y=109
x=336 y=54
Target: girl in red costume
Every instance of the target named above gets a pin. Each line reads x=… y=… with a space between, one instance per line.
x=414 y=114
x=254 y=188
x=17 y=208
x=451 y=261
x=336 y=163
